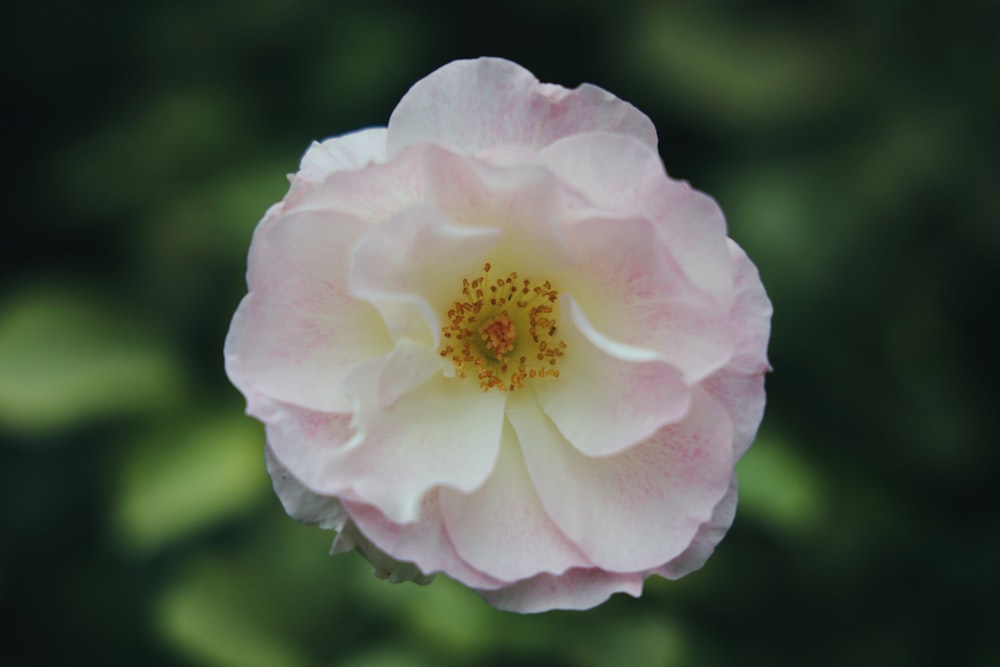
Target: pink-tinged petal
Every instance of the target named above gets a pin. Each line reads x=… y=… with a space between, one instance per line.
x=706 y=539
x=501 y=528
x=348 y=152
x=740 y=385
x=299 y=502
x=750 y=315
x=525 y=201
x=417 y=258
x=304 y=442
x=575 y=589
x=446 y=433
x=744 y=398
x=258 y=405
x=373 y=193
x=303 y=331
x=479 y=104
x=619 y=174
x=638 y=509
x=386 y=567
x=633 y=292
x=603 y=405
x=425 y=543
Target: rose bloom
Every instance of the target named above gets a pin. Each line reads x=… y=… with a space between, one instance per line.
x=495 y=340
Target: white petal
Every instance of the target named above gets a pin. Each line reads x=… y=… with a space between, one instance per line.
x=525 y=201
x=603 y=405
x=444 y=432
x=639 y=509
x=479 y=104
x=302 y=330
x=501 y=528
x=347 y=152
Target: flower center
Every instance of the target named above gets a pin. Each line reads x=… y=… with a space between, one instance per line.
x=503 y=331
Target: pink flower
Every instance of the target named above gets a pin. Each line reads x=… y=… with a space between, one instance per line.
x=495 y=340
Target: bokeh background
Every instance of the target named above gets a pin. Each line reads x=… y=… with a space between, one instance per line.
x=853 y=146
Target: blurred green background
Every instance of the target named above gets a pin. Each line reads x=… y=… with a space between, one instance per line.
x=853 y=146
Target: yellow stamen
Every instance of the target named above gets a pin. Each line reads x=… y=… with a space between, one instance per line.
x=485 y=331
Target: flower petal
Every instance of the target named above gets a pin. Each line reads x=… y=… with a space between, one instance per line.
x=301 y=503
x=258 y=405
x=751 y=315
x=632 y=291
x=386 y=567
x=302 y=330
x=576 y=589
x=525 y=201
x=744 y=398
x=639 y=509
x=446 y=433
x=501 y=528
x=418 y=259
x=618 y=173
x=424 y=543
x=374 y=192
x=480 y=104
x=348 y=152
x=705 y=540
x=603 y=405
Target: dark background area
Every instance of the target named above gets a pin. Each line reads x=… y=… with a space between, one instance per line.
x=853 y=146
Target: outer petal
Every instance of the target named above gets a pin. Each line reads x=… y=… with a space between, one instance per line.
x=501 y=528
x=301 y=503
x=479 y=104
x=258 y=405
x=740 y=385
x=374 y=192
x=744 y=398
x=638 y=509
x=751 y=315
x=620 y=174
x=386 y=567
x=419 y=259
x=576 y=589
x=425 y=543
x=302 y=330
x=303 y=442
x=633 y=292
x=603 y=405
x=446 y=433
x=706 y=539
x=347 y=152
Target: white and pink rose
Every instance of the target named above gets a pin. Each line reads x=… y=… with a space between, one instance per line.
x=495 y=340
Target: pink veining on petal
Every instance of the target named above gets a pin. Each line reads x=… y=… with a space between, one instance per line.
x=502 y=529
